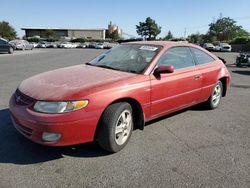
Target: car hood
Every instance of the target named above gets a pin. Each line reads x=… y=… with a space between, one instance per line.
x=70 y=83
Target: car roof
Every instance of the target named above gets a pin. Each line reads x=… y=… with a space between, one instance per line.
x=169 y=44
x=166 y=44
x=4 y=39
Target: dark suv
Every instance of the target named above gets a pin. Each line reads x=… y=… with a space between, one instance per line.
x=5 y=46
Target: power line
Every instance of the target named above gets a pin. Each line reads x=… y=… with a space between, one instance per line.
x=242 y=18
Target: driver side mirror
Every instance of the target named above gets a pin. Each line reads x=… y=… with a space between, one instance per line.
x=163 y=69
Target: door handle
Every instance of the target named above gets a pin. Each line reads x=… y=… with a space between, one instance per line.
x=197 y=77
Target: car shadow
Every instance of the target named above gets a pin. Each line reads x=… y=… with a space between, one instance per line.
x=245 y=72
x=198 y=107
x=16 y=149
x=231 y=65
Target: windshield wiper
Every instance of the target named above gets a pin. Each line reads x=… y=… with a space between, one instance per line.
x=89 y=64
x=102 y=66
x=107 y=67
x=132 y=71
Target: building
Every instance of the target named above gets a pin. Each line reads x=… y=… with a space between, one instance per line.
x=95 y=34
x=112 y=28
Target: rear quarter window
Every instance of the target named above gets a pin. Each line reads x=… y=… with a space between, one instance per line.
x=201 y=57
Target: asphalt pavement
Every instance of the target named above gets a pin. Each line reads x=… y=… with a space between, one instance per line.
x=191 y=148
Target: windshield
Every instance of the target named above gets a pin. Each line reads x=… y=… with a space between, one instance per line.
x=127 y=57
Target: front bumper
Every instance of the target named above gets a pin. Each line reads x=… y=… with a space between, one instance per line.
x=75 y=127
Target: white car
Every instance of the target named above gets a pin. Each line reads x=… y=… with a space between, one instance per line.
x=209 y=46
x=42 y=44
x=65 y=45
x=99 y=46
x=224 y=47
x=35 y=44
x=74 y=45
x=22 y=44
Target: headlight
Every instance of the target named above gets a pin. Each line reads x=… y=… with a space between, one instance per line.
x=59 y=107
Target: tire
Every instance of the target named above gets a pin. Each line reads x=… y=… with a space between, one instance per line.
x=115 y=127
x=238 y=65
x=11 y=50
x=215 y=98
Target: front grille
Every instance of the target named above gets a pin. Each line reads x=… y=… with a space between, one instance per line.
x=24 y=130
x=22 y=99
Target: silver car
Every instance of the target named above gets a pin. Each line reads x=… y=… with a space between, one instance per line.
x=22 y=45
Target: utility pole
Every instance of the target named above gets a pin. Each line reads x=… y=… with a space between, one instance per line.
x=185 y=32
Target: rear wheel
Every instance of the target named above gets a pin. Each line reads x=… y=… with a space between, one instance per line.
x=237 y=62
x=215 y=98
x=116 y=126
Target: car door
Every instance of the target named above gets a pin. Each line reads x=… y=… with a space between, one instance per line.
x=28 y=46
x=208 y=70
x=175 y=90
x=2 y=46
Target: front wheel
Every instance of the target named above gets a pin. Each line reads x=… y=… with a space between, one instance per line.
x=115 y=127
x=215 y=98
x=11 y=50
x=238 y=65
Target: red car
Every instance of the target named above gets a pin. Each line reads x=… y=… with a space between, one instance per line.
x=118 y=91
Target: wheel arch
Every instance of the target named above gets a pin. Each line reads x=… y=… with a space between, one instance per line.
x=138 y=113
x=224 y=84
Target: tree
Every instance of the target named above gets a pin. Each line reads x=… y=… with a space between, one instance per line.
x=225 y=29
x=169 y=36
x=194 y=38
x=148 y=29
x=7 y=31
x=49 y=33
x=115 y=35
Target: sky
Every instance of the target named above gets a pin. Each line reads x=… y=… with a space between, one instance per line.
x=175 y=15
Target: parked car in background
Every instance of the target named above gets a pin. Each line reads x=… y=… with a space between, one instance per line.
x=223 y=47
x=51 y=45
x=243 y=59
x=99 y=46
x=217 y=48
x=35 y=44
x=22 y=45
x=109 y=45
x=92 y=45
x=81 y=45
x=65 y=45
x=42 y=44
x=117 y=92
x=74 y=45
x=5 y=46
x=209 y=46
